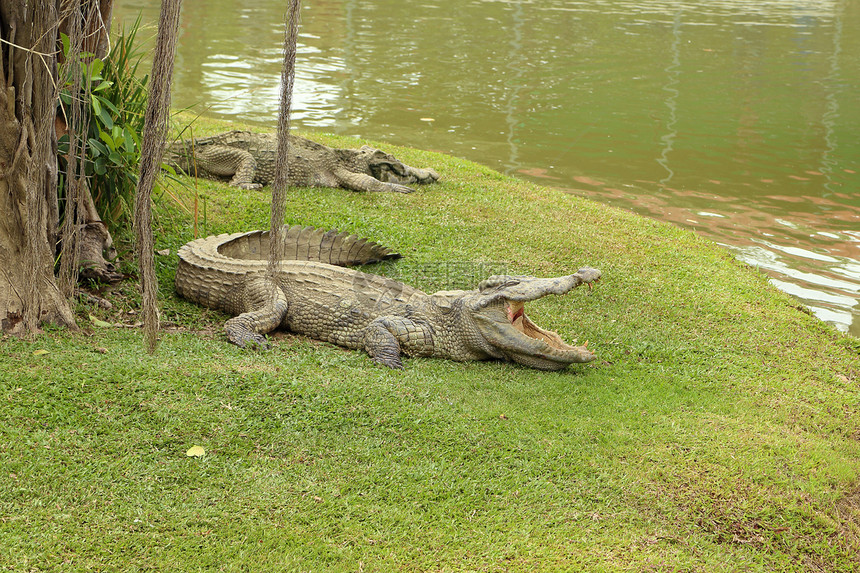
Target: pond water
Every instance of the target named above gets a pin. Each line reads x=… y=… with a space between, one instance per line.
x=739 y=119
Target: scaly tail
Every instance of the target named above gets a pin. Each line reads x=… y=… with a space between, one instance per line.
x=311 y=244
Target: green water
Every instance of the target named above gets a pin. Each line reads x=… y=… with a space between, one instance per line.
x=739 y=119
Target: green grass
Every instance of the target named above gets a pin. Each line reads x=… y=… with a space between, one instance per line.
x=718 y=430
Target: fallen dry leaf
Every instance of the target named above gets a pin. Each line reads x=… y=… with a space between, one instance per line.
x=195 y=452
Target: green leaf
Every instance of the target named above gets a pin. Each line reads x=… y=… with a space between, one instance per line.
x=96 y=68
x=99 y=165
x=66 y=44
x=103 y=85
x=135 y=136
x=96 y=105
x=40 y=352
x=128 y=141
x=108 y=104
x=63 y=144
x=98 y=146
x=106 y=119
x=116 y=158
x=108 y=139
x=99 y=323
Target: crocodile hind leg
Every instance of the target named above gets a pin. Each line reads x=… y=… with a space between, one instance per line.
x=269 y=308
x=388 y=336
x=226 y=161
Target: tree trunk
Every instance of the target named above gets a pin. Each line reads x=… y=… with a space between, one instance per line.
x=28 y=166
x=95 y=38
x=151 y=148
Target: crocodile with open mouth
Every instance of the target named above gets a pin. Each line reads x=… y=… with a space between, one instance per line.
x=313 y=294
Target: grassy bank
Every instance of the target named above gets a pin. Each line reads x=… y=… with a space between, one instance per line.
x=718 y=430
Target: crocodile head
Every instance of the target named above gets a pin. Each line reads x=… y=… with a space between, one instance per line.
x=498 y=311
x=389 y=169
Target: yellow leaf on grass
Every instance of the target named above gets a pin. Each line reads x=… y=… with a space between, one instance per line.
x=195 y=452
x=99 y=323
x=40 y=352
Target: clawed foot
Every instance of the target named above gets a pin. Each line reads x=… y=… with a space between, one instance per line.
x=589 y=275
x=397 y=188
x=249 y=340
x=248 y=186
x=394 y=363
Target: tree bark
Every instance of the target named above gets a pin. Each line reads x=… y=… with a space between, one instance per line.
x=28 y=167
x=279 y=185
x=151 y=149
x=96 y=34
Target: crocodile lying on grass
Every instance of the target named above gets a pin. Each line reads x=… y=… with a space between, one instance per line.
x=315 y=296
x=249 y=160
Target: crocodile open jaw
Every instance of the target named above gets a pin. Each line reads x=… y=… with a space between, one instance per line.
x=517 y=315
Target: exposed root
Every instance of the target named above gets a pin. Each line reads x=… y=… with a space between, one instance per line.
x=95 y=240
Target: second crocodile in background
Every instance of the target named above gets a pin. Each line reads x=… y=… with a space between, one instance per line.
x=248 y=159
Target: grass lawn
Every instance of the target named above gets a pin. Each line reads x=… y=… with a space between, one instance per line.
x=718 y=430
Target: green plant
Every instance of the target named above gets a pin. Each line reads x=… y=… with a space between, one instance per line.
x=116 y=100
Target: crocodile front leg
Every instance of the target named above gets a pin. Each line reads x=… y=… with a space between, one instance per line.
x=362 y=182
x=388 y=336
x=226 y=161
x=269 y=306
